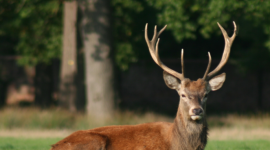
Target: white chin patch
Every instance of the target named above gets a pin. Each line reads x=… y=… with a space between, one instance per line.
x=196 y=117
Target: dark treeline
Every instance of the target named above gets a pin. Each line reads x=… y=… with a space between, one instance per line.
x=33 y=31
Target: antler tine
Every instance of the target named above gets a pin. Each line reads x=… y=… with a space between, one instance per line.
x=208 y=66
x=154 y=38
x=182 y=61
x=226 y=52
x=153 y=49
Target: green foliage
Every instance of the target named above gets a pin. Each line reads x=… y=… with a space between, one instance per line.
x=34 y=27
x=179 y=17
x=125 y=31
x=124 y=55
x=251 y=48
x=37 y=25
x=194 y=21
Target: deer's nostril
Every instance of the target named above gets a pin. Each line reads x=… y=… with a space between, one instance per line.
x=197 y=111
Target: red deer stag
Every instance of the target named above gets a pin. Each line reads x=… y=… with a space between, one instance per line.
x=187 y=132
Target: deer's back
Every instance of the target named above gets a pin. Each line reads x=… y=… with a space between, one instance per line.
x=129 y=137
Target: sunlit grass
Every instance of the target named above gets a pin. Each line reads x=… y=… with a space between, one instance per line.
x=8 y=143
x=238 y=145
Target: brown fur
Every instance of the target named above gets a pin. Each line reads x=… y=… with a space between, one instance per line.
x=195 y=86
x=187 y=132
x=182 y=134
x=128 y=137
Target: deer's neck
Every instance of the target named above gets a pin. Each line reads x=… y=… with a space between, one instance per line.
x=191 y=134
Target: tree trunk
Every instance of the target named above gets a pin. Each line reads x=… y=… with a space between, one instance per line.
x=67 y=93
x=95 y=29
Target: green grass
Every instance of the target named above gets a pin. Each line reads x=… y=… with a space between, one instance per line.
x=238 y=145
x=44 y=144
x=56 y=119
x=26 y=144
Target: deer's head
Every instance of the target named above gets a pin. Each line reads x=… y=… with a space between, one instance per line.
x=193 y=94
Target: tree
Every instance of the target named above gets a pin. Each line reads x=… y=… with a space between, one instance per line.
x=40 y=32
x=67 y=90
x=36 y=28
x=96 y=36
x=194 y=21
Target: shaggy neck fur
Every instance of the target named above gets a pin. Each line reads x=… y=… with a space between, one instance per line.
x=191 y=134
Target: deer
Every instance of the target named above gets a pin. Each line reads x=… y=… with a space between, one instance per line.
x=189 y=129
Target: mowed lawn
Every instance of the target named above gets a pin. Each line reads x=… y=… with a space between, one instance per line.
x=239 y=145
x=11 y=143
x=44 y=144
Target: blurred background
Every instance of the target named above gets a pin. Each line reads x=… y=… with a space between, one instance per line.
x=64 y=64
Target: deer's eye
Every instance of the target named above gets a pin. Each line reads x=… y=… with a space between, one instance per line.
x=183 y=95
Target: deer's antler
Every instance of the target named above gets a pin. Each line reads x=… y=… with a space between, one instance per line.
x=153 y=48
x=226 y=53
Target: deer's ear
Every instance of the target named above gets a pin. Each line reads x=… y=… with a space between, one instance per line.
x=171 y=81
x=217 y=82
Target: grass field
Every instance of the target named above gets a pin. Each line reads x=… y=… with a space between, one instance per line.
x=238 y=145
x=26 y=143
x=44 y=144
x=36 y=129
x=34 y=118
